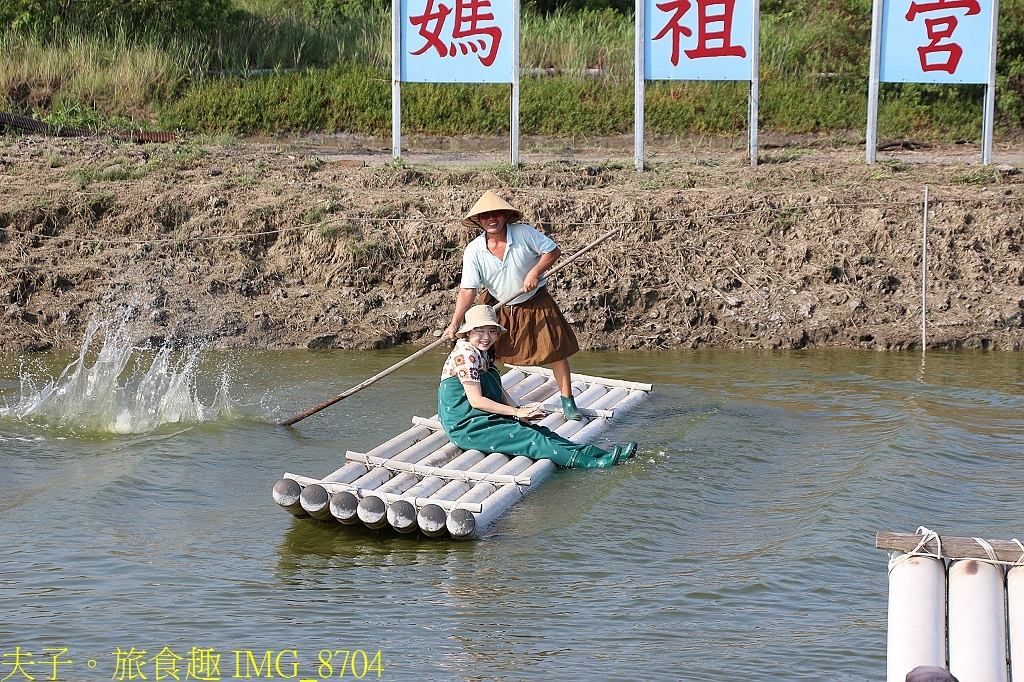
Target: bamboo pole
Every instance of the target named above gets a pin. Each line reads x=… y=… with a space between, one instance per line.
x=924 y=273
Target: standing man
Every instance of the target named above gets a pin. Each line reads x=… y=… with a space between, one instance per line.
x=509 y=257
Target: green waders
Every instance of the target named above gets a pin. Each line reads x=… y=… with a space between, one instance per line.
x=473 y=429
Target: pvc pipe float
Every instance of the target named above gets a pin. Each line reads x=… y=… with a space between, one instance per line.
x=431 y=518
x=512 y=377
x=402 y=514
x=315 y=501
x=372 y=510
x=1015 y=618
x=497 y=503
x=523 y=384
x=539 y=394
x=352 y=470
x=917 y=615
x=344 y=504
x=462 y=522
x=286 y=493
x=977 y=622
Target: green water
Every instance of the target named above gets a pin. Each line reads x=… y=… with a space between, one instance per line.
x=739 y=544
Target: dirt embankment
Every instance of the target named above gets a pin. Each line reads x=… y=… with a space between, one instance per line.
x=286 y=245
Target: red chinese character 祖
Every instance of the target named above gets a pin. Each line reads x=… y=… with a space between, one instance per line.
x=939 y=29
x=468 y=33
x=714 y=28
x=675 y=25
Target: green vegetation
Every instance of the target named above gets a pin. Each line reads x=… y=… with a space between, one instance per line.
x=268 y=66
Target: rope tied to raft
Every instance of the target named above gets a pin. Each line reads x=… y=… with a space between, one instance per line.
x=927 y=536
x=1020 y=560
x=988 y=550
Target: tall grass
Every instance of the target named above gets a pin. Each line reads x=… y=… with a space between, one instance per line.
x=332 y=73
x=287 y=39
x=112 y=73
x=573 y=43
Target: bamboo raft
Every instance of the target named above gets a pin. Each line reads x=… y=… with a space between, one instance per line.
x=955 y=603
x=420 y=481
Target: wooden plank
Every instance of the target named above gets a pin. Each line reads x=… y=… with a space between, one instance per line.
x=952 y=547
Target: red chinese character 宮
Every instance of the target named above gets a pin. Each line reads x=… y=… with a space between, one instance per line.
x=937 y=55
x=938 y=30
x=916 y=8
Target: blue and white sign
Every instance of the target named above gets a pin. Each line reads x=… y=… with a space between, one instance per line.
x=457 y=41
x=936 y=41
x=698 y=39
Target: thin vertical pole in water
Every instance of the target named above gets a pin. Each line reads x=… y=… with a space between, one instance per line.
x=924 y=271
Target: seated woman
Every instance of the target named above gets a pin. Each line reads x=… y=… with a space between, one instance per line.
x=474 y=413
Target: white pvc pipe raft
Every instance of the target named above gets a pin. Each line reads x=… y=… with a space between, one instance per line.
x=974 y=619
x=1015 y=620
x=917 y=615
x=977 y=622
x=420 y=481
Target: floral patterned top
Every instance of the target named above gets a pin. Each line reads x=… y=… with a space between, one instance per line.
x=466 y=363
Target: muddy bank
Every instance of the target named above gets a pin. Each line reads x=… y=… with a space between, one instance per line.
x=296 y=245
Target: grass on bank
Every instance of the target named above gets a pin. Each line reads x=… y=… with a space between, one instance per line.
x=328 y=74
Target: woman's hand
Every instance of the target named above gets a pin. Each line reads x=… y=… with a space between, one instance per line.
x=528 y=413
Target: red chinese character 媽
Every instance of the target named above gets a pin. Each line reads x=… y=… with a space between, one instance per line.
x=469 y=34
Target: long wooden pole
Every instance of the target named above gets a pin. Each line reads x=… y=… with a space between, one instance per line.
x=435 y=344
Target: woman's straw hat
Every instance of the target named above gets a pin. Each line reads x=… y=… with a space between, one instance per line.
x=480 y=316
x=491 y=202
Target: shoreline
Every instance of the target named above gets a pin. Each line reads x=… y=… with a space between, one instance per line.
x=264 y=244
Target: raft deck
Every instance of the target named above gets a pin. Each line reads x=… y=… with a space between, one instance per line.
x=421 y=481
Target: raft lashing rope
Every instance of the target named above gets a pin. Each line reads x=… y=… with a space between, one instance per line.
x=420 y=481
x=31 y=124
x=955 y=600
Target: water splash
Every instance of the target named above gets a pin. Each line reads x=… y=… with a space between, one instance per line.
x=106 y=396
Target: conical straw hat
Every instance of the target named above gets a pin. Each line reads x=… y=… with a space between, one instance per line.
x=491 y=202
